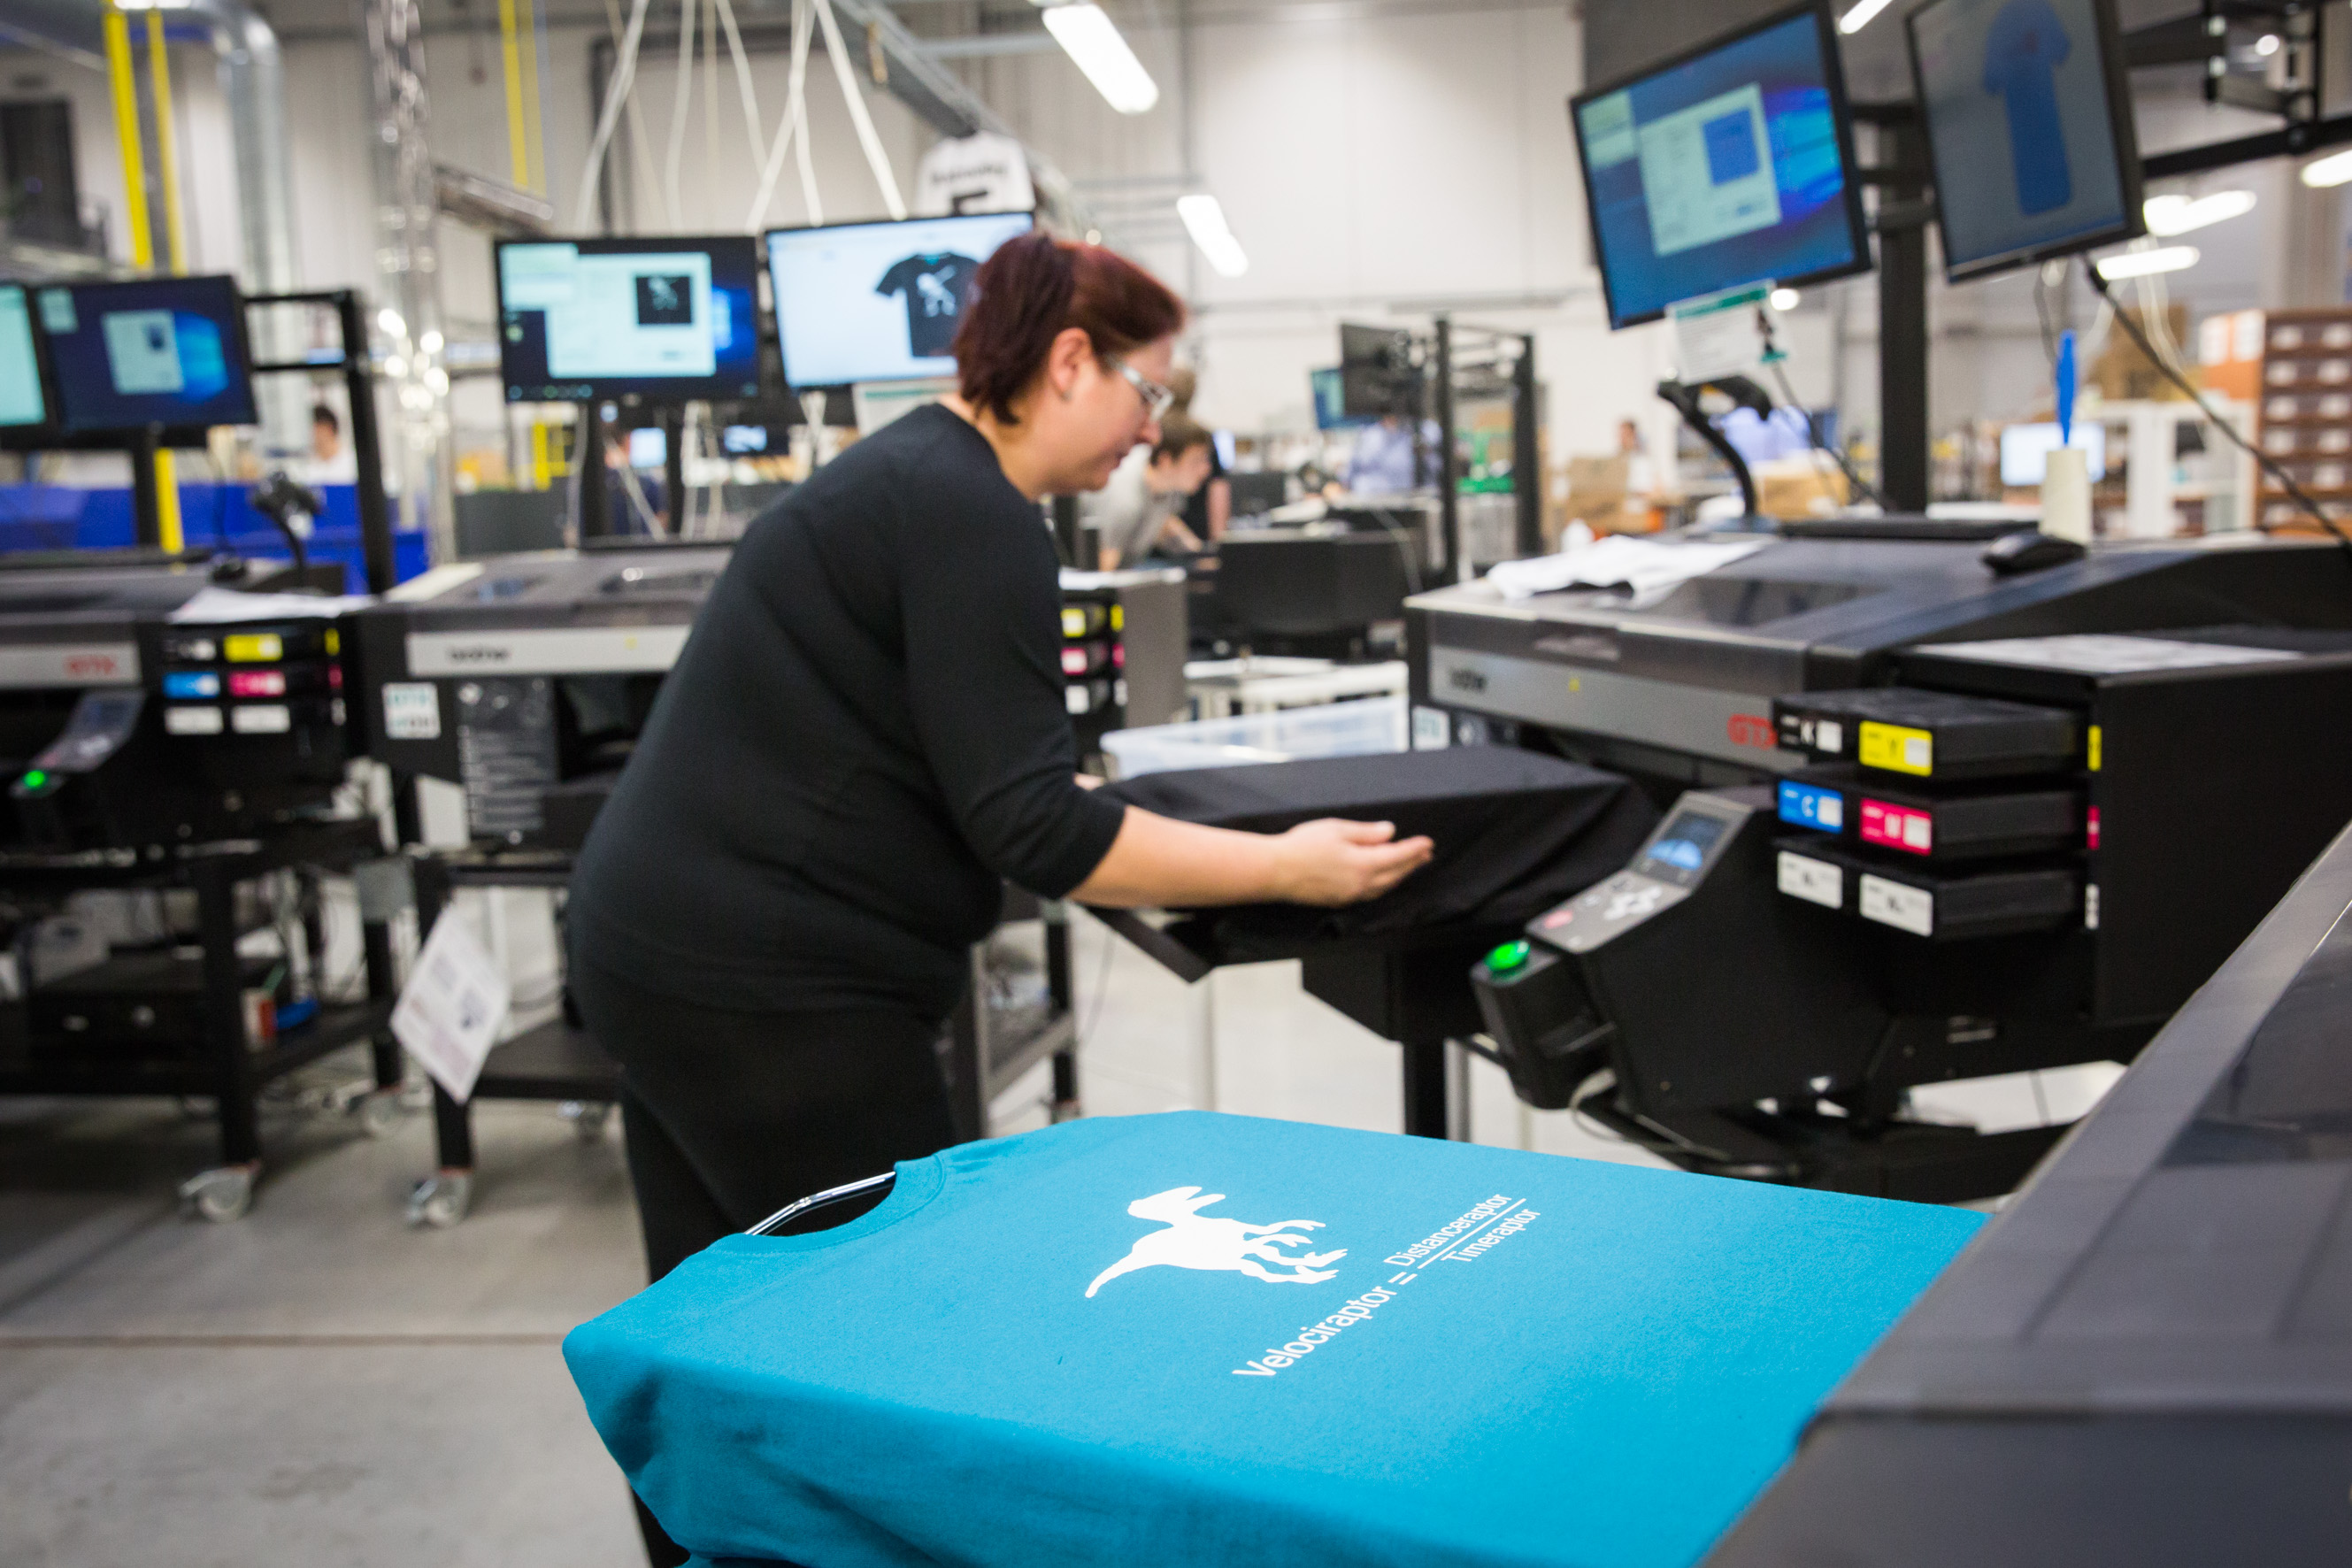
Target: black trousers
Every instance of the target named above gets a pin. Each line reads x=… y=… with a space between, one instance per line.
x=731 y=1115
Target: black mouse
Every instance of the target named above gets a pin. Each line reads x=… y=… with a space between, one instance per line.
x=2029 y=550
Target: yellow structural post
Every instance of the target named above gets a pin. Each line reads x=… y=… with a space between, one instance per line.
x=125 y=82
x=511 y=56
x=538 y=474
x=534 y=155
x=170 y=533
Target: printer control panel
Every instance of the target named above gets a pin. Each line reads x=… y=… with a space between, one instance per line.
x=1676 y=857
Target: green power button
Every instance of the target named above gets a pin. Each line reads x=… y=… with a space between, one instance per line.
x=1508 y=956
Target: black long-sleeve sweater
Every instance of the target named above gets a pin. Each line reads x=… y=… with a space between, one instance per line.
x=866 y=732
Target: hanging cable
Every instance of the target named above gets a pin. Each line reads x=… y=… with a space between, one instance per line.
x=616 y=93
x=709 y=88
x=2270 y=464
x=641 y=146
x=677 y=110
x=792 y=131
x=743 y=84
x=877 y=158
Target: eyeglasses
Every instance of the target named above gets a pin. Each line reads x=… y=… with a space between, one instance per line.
x=1157 y=399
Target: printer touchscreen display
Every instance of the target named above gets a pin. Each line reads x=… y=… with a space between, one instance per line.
x=1676 y=854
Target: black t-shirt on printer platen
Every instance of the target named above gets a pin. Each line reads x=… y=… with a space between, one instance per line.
x=1515 y=832
x=935 y=288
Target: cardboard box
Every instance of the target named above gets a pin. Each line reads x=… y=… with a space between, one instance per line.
x=2124 y=374
x=1793 y=487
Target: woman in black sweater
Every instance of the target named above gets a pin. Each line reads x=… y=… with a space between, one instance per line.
x=865 y=736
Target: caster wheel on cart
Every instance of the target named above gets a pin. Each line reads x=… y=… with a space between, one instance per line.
x=589 y=1118
x=220 y=1196
x=379 y=1113
x=441 y=1201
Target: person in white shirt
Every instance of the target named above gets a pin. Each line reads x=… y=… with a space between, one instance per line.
x=1136 y=512
x=331 y=461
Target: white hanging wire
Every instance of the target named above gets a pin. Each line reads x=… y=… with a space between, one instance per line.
x=710 y=93
x=616 y=93
x=787 y=124
x=877 y=158
x=802 y=152
x=641 y=146
x=677 y=165
x=743 y=84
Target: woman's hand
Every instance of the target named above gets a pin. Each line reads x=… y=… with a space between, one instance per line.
x=1332 y=862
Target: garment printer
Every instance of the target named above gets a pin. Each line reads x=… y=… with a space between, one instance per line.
x=526 y=679
x=1927 y=818
x=120 y=727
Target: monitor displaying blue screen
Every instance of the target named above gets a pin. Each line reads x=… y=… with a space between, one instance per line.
x=2029 y=128
x=166 y=352
x=878 y=302
x=635 y=321
x=1331 y=401
x=1729 y=166
x=21 y=401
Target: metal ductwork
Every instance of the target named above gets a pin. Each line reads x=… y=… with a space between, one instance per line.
x=252 y=80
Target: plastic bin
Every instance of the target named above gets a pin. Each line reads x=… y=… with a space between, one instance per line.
x=1331 y=729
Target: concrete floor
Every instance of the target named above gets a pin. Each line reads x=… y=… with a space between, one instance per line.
x=321 y=1384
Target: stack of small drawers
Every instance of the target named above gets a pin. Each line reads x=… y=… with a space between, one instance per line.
x=1945 y=816
x=2306 y=402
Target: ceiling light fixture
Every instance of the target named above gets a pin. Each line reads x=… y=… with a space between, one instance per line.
x=1204 y=220
x=1783 y=298
x=1096 y=47
x=1855 y=20
x=2147 y=263
x=2332 y=170
x=2171 y=214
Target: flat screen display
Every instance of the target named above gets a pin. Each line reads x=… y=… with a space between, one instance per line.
x=2025 y=451
x=22 y=402
x=1731 y=164
x=2029 y=127
x=167 y=352
x=1678 y=854
x=878 y=302
x=636 y=321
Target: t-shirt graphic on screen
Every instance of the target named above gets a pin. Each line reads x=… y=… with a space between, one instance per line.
x=664 y=300
x=2023 y=50
x=934 y=286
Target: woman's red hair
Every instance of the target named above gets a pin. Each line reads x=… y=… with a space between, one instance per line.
x=1033 y=289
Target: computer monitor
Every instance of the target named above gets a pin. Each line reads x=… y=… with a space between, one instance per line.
x=629 y=321
x=2025 y=451
x=878 y=302
x=1330 y=401
x=2029 y=121
x=1730 y=163
x=1377 y=373
x=24 y=389
x=164 y=352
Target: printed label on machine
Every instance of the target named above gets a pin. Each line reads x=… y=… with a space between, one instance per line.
x=450 y=1012
x=1898 y=905
x=1897 y=827
x=1431 y=732
x=412 y=710
x=1815 y=881
x=1897 y=749
x=1809 y=806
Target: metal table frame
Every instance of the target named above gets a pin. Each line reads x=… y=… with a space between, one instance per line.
x=228 y=1070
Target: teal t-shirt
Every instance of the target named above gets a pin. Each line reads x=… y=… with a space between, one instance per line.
x=1201 y=1340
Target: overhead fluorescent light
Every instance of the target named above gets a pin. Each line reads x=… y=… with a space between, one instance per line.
x=1094 y=46
x=1855 y=20
x=2332 y=170
x=1783 y=298
x=2171 y=214
x=1204 y=220
x=2147 y=263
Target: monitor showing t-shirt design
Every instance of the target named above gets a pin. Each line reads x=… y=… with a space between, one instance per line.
x=659 y=320
x=878 y=302
x=165 y=353
x=1731 y=164
x=2029 y=128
